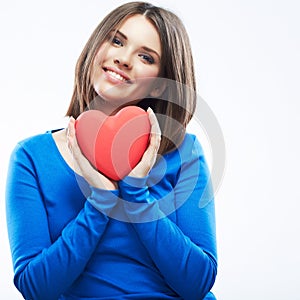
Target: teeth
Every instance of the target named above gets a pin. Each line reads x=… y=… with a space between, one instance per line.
x=115 y=75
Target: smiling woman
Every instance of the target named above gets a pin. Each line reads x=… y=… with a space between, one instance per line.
x=130 y=53
x=144 y=236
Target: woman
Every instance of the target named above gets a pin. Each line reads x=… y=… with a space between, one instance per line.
x=76 y=234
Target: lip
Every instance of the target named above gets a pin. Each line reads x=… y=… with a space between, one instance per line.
x=119 y=72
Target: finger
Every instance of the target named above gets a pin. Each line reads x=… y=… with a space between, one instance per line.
x=78 y=160
x=155 y=129
x=71 y=128
x=155 y=137
x=71 y=136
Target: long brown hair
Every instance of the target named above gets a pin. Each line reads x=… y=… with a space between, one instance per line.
x=178 y=101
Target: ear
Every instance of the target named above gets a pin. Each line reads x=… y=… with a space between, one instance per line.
x=158 y=90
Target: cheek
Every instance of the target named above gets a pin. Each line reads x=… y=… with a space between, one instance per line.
x=151 y=72
x=147 y=74
x=102 y=53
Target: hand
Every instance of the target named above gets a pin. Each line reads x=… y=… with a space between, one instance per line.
x=83 y=166
x=143 y=168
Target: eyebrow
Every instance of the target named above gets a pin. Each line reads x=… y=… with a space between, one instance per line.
x=143 y=47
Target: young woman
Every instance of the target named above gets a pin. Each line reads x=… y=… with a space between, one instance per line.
x=76 y=234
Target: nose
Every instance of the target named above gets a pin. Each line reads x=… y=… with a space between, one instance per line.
x=118 y=61
x=123 y=61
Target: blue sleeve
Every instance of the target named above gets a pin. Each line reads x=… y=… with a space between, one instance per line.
x=44 y=269
x=184 y=251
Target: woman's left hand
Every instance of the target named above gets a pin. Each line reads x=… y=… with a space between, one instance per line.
x=143 y=168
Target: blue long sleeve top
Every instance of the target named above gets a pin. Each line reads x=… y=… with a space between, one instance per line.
x=153 y=238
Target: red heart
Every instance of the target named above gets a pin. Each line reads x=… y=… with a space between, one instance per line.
x=113 y=144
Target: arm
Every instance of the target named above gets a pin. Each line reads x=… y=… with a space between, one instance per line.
x=184 y=251
x=44 y=269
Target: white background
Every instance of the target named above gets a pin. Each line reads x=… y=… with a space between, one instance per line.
x=247 y=56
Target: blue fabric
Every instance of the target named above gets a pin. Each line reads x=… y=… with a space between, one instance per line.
x=153 y=238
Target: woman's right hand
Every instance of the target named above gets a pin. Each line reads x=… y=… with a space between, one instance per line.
x=83 y=166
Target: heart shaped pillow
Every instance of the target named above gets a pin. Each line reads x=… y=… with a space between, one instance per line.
x=113 y=144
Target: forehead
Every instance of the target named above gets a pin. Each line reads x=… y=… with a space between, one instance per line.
x=139 y=29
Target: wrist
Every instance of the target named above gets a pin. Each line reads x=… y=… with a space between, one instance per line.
x=134 y=189
x=132 y=182
x=103 y=200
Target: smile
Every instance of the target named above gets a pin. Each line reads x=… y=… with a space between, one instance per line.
x=117 y=75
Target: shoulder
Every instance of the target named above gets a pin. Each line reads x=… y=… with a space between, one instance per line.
x=38 y=155
x=187 y=158
x=33 y=145
x=40 y=141
x=189 y=149
x=190 y=144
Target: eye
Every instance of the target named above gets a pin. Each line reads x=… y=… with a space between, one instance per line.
x=148 y=58
x=116 y=41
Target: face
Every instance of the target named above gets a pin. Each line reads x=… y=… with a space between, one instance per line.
x=127 y=64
